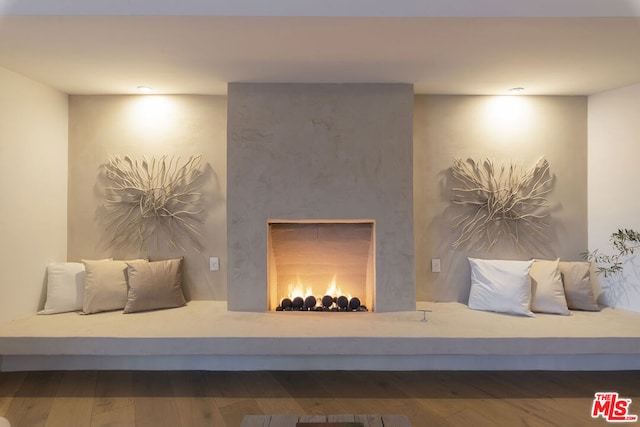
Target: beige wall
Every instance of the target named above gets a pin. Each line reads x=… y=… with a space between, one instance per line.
x=506 y=129
x=33 y=185
x=614 y=150
x=151 y=126
x=34 y=169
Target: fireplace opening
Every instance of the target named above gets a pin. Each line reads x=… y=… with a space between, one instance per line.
x=321 y=265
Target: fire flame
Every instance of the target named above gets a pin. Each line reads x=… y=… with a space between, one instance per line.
x=300 y=290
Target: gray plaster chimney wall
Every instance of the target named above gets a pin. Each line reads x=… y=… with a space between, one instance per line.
x=320 y=151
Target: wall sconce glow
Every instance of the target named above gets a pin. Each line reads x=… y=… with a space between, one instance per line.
x=516 y=90
x=507 y=115
x=145 y=89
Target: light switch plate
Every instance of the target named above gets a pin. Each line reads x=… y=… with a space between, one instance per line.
x=214 y=263
x=435 y=265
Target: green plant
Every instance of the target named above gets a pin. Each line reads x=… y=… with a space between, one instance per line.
x=625 y=242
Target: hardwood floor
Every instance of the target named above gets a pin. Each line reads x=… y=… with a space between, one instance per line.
x=222 y=399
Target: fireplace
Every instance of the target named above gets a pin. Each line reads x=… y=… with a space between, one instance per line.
x=309 y=260
x=320 y=151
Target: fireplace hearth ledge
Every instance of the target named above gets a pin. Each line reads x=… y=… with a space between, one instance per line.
x=204 y=335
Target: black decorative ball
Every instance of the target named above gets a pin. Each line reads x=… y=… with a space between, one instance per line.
x=327 y=301
x=286 y=303
x=310 y=301
x=298 y=302
x=343 y=301
x=354 y=303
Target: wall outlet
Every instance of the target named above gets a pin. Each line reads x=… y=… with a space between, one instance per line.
x=435 y=265
x=214 y=263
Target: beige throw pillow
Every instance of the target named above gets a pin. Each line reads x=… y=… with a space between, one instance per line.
x=154 y=285
x=577 y=286
x=105 y=286
x=547 y=292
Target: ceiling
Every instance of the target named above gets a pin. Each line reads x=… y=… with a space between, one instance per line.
x=579 y=47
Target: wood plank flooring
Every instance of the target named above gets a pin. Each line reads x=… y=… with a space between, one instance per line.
x=222 y=399
x=340 y=420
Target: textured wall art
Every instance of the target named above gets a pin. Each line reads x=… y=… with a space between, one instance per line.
x=500 y=202
x=153 y=199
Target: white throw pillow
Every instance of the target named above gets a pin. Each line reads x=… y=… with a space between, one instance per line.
x=65 y=285
x=547 y=292
x=501 y=286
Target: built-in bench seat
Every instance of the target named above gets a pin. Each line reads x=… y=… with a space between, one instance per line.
x=204 y=335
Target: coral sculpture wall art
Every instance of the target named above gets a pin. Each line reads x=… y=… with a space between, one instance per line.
x=146 y=199
x=500 y=202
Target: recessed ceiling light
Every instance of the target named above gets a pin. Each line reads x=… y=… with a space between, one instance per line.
x=145 y=89
x=516 y=90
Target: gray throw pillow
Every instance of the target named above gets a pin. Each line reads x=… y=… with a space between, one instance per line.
x=154 y=285
x=577 y=286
